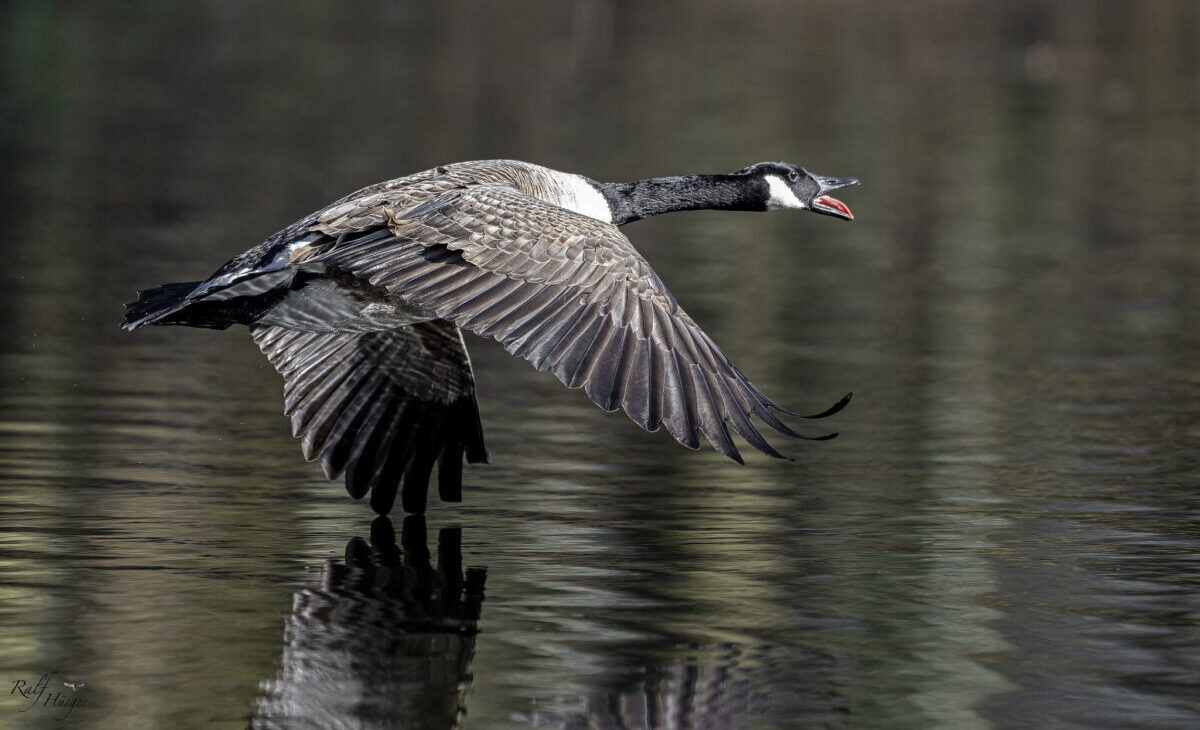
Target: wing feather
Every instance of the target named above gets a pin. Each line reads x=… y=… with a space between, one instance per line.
x=569 y=294
x=331 y=418
x=678 y=406
x=638 y=398
x=604 y=379
x=382 y=407
x=511 y=326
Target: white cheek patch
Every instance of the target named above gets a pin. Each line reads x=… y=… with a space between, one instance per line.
x=781 y=195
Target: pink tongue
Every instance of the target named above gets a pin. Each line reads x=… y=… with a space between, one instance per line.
x=834 y=203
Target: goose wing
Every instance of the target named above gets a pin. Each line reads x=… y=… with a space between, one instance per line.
x=568 y=293
x=383 y=407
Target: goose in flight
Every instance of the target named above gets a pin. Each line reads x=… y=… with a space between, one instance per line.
x=359 y=307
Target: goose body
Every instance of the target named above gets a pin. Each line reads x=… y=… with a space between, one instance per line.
x=359 y=307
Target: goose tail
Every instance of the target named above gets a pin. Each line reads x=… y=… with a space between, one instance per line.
x=154 y=304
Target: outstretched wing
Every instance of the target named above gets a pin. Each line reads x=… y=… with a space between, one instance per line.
x=383 y=407
x=565 y=291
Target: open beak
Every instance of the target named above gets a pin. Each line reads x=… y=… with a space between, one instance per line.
x=829 y=205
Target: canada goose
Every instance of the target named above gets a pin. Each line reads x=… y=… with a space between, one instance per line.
x=359 y=305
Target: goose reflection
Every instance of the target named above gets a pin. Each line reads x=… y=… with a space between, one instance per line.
x=727 y=691
x=385 y=640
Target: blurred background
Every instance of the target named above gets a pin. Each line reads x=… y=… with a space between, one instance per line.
x=1004 y=535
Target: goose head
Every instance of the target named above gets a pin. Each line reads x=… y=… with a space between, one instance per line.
x=786 y=186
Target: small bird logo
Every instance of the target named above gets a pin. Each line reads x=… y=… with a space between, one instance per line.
x=75 y=686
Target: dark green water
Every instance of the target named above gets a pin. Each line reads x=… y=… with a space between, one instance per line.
x=1005 y=535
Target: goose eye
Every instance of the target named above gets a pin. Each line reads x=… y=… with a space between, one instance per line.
x=793 y=176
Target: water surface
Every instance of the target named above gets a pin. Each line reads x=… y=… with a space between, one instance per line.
x=1004 y=535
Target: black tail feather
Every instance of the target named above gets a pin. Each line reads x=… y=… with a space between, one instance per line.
x=169 y=304
x=153 y=304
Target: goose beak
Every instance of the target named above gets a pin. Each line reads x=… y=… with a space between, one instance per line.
x=827 y=204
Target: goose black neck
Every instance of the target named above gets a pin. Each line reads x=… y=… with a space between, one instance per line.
x=636 y=200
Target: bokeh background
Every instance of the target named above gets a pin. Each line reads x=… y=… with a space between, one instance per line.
x=1004 y=535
